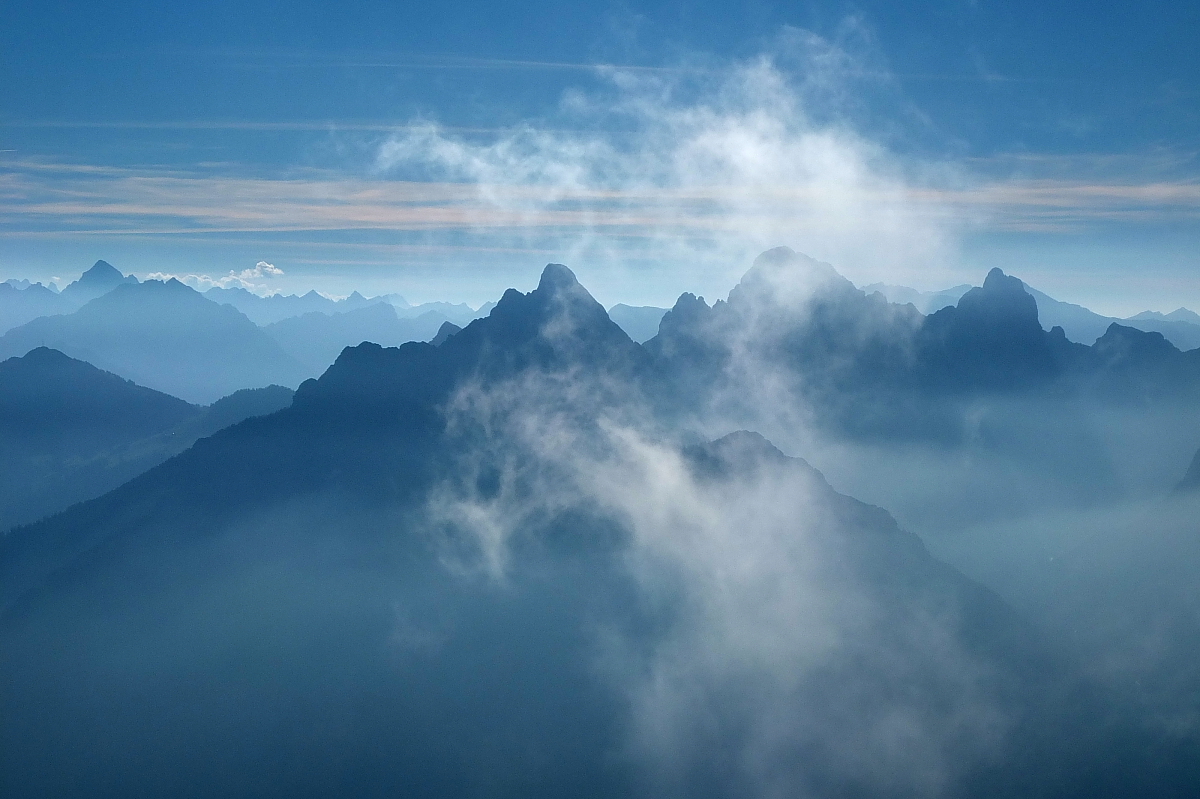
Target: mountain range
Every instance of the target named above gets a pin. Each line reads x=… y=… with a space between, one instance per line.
x=1181 y=327
x=21 y=304
x=498 y=565
x=315 y=339
x=164 y=336
x=277 y=307
x=529 y=557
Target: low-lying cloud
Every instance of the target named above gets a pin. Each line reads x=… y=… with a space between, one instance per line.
x=250 y=279
x=769 y=672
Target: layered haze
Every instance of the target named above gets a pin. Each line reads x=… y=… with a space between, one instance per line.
x=878 y=477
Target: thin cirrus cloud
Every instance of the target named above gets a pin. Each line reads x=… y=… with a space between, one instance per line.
x=684 y=167
x=114 y=201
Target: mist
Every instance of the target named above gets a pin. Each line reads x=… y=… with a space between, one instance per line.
x=800 y=542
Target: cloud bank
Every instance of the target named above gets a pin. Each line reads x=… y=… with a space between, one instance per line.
x=248 y=279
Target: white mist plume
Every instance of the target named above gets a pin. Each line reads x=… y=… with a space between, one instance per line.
x=703 y=167
x=763 y=609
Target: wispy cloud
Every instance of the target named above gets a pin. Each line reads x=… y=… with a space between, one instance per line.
x=692 y=169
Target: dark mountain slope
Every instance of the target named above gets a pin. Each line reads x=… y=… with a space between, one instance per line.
x=165 y=336
x=1132 y=365
x=991 y=341
x=370 y=426
x=68 y=408
x=70 y=432
x=305 y=604
x=447 y=330
x=369 y=430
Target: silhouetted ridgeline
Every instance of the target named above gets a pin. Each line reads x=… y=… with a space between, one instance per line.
x=165 y=336
x=315 y=339
x=70 y=432
x=491 y=566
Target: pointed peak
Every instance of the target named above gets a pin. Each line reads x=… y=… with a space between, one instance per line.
x=101 y=273
x=1002 y=297
x=447 y=330
x=996 y=280
x=556 y=277
x=784 y=277
x=102 y=268
x=689 y=304
x=46 y=355
x=739 y=453
x=776 y=255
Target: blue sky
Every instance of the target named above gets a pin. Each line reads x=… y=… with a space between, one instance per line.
x=447 y=151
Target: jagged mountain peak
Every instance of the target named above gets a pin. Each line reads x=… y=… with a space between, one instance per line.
x=101 y=271
x=783 y=277
x=740 y=452
x=1001 y=299
x=447 y=330
x=1121 y=342
x=557 y=278
x=101 y=278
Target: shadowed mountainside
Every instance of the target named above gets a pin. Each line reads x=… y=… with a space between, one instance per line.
x=70 y=432
x=281 y=605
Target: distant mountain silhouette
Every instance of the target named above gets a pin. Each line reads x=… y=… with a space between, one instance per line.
x=640 y=322
x=1191 y=480
x=165 y=336
x=70 y=432
x=460 y=314
x=447 y=330
x=53 y=402
x=873 y=369
x=102 y=278
x=1136 y=365
x=991 y=340
x=796 y=319
x=56 y=414
x=277 y=307
x=924 y=301
x=1178 y=315
x=21 y=305
x=315 y=339
x=280 y=606
x=1181 y=327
